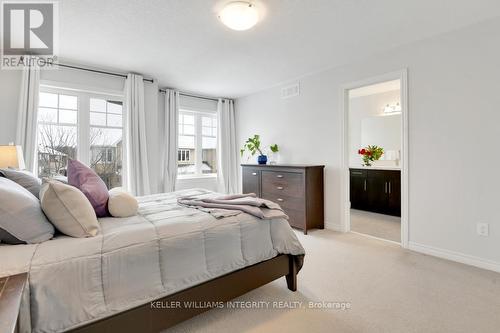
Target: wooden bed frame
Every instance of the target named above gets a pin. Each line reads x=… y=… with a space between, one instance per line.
x=149 y=318
x=11 y=290
x=168 y=311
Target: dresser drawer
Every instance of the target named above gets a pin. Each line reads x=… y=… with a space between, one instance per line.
x=283 y=183
x=251 y=180
x=285 y=201
x=296 y=218
x=293 y=207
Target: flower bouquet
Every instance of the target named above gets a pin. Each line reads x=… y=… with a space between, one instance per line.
x=370 y=154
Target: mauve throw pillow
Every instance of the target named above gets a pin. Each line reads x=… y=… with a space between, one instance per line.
x=87 y=181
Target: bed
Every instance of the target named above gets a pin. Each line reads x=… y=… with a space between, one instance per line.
x=166 y=253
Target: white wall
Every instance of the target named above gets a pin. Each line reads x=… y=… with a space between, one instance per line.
x=209 y=183
x=363 y=107
x=454 y=112
x=85 y=79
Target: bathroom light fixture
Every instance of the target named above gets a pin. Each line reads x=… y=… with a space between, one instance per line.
x=239 y=15
x=392 y=108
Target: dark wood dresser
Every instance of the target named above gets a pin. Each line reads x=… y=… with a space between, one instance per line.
x=297 y=188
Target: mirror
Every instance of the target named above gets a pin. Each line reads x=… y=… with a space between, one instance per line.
x=385 y=132
x=375 y=119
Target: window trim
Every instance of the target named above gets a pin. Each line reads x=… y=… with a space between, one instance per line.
x=79 y=88
x=202 y=176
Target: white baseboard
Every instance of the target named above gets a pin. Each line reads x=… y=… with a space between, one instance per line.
x=455 y=256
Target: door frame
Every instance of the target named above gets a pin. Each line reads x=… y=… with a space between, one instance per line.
x=401 y=75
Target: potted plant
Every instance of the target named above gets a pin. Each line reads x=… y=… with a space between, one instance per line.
x=253 y=145
x=274 y=156
x=370 y=154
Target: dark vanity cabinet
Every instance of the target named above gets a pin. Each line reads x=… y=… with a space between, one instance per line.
x=376 y=190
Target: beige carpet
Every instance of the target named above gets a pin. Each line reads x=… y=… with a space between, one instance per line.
x=389 y=289
x=377 y=225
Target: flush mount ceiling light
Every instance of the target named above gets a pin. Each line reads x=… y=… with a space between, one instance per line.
x=239 y=15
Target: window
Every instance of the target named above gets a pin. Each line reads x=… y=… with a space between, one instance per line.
x=110 y=156
x=197 y=154
x=78 y=125
x=106 y=140
x=187 y=144
x=57 y=132
x=209 y=143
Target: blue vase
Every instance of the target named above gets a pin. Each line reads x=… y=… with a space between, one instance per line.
x=262 y=159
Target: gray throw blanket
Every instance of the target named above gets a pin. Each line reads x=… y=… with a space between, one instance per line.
x=231 y=205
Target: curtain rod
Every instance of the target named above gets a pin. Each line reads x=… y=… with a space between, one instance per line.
x=125 y=76
x=193 y=95
x=98 y=71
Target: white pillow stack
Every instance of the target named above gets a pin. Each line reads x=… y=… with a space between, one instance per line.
x=121 y=203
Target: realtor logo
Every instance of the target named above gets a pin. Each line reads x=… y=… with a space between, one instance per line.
x=28 y=29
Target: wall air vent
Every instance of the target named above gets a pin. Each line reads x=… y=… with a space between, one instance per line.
x=290 y=91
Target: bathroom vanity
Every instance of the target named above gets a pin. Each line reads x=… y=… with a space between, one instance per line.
x=376 y=189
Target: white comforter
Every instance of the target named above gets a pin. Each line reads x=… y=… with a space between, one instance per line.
x=166 y=248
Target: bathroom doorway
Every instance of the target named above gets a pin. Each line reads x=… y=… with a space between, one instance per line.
x=375 y=169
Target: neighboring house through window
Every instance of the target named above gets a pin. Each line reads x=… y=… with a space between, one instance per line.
x=184 y=155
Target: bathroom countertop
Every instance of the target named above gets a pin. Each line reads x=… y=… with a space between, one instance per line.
x=376 y=167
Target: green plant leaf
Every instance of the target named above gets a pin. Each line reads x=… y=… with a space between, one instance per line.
x=252 y=144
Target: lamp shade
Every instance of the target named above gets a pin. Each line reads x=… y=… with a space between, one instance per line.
x=11 y=156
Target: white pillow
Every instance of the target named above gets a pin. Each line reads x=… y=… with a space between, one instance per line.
x=21 y=217
x=68 y=209
x=121 y=203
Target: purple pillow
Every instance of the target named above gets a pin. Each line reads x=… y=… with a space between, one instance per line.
x=87 y=181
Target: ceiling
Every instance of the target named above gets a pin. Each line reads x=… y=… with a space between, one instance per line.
x=183 y=45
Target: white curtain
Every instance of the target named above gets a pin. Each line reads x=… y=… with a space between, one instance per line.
x=169 y=142
x=136 y=149
x=228 y=150
x=28 y=113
